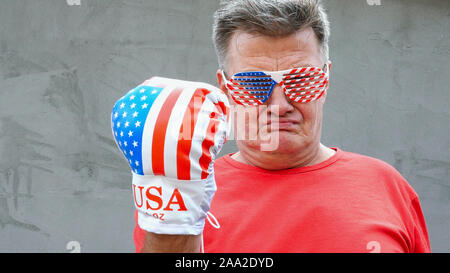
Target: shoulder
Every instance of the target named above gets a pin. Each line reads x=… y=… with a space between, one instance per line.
x=365 y=160
x=380 y=170
x=221 y=162
x=369 y=163
x=225 y=164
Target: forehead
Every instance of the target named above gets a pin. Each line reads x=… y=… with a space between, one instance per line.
x=249 y=51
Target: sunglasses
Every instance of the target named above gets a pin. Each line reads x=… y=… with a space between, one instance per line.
x=303 y=84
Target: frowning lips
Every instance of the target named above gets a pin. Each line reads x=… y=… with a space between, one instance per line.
x=282 y=124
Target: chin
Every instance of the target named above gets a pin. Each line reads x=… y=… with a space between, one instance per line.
x=284 y=142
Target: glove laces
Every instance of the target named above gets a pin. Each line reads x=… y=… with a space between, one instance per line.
x=214 y=223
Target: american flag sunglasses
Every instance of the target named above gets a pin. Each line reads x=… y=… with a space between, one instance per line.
x=303 y=84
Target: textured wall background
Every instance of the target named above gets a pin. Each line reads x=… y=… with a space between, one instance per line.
x=62 y=67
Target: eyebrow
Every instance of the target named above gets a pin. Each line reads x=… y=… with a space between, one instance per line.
x=292 y=67
x=303 y=65
x=295 y=66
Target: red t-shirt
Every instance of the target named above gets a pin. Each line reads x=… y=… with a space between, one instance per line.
x=348 y=203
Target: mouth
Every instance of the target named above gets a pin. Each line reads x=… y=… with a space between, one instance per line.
x=282 y=124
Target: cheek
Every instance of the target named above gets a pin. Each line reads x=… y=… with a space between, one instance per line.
x=311 y=114
x=244 y=122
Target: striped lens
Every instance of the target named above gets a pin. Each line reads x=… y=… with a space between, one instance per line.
x=251 y=88
x=305 y=84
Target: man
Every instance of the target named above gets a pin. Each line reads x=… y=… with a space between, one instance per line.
x=300 y=196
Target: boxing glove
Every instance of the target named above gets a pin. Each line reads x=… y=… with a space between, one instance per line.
x=170 y=132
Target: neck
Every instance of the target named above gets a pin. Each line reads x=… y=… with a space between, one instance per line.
x=275 y=161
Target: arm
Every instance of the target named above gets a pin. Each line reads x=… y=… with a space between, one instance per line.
x=164 y=243
x=421 y=240
x=170 y=132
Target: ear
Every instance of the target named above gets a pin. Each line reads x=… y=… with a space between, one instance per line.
x=221 y=81
x=324 y=97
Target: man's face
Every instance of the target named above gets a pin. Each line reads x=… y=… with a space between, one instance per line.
x=299 y=124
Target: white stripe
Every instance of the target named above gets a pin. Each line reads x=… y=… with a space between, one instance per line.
x=222 y=132
x=173 y=132
x=147 y=135
x=199 y=135
x=219 y=139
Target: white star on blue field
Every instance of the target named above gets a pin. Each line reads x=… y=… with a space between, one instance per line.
x=127 y=121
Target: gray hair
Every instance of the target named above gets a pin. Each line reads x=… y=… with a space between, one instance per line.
x=268 y=17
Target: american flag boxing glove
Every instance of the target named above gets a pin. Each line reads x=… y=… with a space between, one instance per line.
x=170 y=132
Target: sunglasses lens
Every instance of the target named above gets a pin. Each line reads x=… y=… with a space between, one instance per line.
x=305 y=84
x=251 y=88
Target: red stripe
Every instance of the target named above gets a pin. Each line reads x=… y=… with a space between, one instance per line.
x=303 y=80
x=310 y=99
x=236 y=100
x=237 y=88
x=240 y=100
x=237 y=93
x=187 y=133
x=205 y=159
x=159 y=133
x=321 y=94
x=225 y=110
x=302 y=94
x=213 y=126
x=245 y=99
x=301 y=84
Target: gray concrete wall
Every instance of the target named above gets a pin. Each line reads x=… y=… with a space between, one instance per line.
x=62 y=67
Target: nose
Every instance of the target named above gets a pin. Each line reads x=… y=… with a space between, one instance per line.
x=279 y=98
